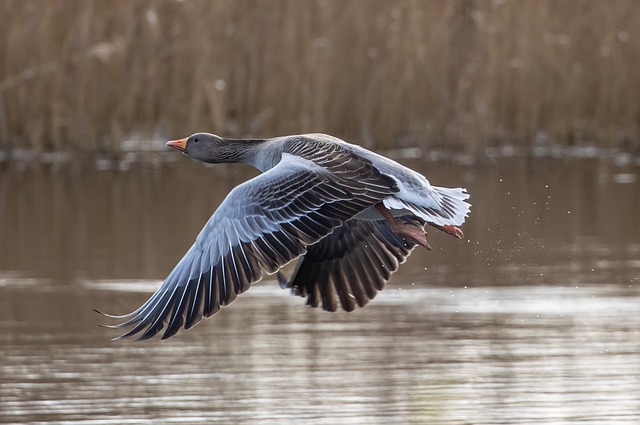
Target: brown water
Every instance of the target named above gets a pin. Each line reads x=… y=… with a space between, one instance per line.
x=533 y=319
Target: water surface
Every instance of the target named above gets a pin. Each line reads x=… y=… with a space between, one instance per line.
x=533 y=318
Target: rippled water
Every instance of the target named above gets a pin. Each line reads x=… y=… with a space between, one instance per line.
x=534 y=318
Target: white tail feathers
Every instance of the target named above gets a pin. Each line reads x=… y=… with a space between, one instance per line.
x=442 y=206
x=453 y=202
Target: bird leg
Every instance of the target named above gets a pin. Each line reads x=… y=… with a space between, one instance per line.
x=410 y=232
x=449 y=229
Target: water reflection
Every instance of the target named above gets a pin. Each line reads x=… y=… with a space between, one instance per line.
x=535 y=319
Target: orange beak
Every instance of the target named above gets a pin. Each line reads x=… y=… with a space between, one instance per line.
x=180 y=144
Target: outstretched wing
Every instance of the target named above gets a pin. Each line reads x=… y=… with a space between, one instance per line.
x=350 y=265
x=262 y=225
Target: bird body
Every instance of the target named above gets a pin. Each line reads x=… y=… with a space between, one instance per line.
x=351 y=215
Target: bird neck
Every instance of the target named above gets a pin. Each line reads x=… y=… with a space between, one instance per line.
x=236 y=150
x=262 y=154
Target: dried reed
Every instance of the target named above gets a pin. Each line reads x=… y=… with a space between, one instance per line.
x=82 y=75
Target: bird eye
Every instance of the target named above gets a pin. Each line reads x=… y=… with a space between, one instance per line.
x=195 y=140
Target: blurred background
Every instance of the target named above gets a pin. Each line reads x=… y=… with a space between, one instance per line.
x=85 y=76
x=533 y=106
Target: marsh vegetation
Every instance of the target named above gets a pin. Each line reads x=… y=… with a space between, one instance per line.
x=86 y=76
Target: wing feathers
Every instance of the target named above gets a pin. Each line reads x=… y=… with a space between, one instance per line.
x=262 y=225
x=351 y=265
x=195 y=306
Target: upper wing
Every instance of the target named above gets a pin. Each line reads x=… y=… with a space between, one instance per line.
x=350 y=265
x=261 y=225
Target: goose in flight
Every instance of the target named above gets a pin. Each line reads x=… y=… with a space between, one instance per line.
x=350 y=215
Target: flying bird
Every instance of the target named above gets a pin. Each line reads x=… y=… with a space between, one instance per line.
x=351 y=217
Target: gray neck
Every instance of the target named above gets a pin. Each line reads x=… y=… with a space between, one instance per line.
x=261 y=154
x=236 y=150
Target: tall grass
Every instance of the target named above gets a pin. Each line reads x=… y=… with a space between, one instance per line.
x=83 y=75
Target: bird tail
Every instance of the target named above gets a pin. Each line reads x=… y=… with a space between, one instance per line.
x=442 y=206
x=453 y=206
